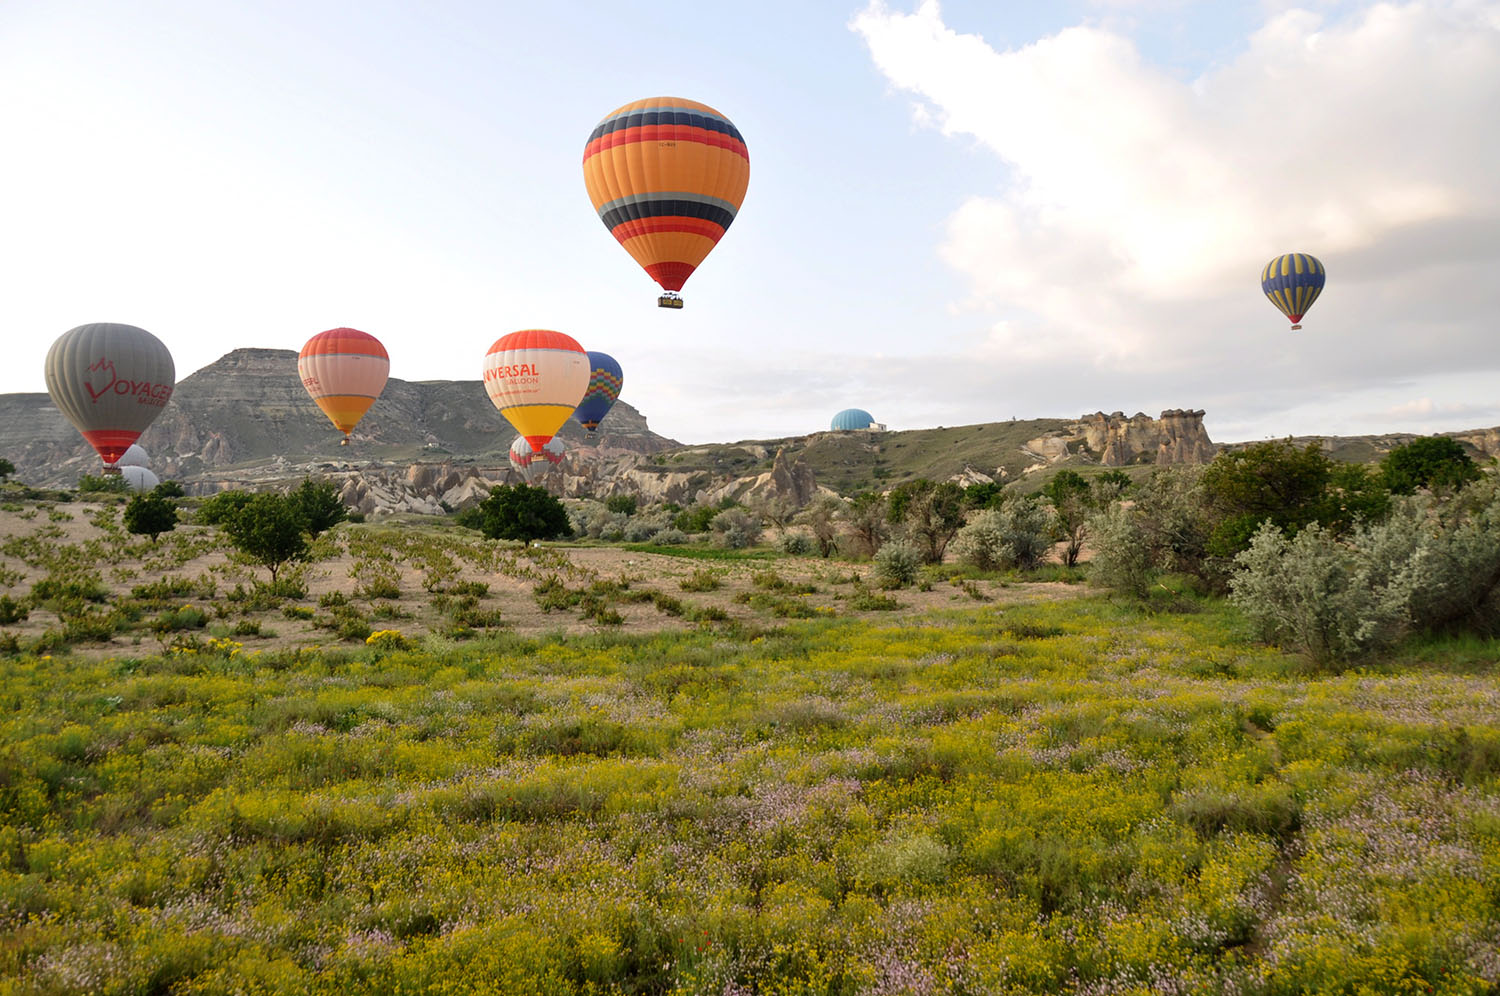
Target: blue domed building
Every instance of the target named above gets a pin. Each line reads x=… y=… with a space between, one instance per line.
x=853 y=419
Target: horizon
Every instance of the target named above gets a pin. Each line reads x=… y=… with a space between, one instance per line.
x=915 y=240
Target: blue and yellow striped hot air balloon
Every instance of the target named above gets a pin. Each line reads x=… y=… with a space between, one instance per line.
x=1293 y=282
x=667 y=176
x=605 y=382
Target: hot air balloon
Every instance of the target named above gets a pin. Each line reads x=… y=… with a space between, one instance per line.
x=139 y=478
x=533 y=465
x=667 y=177
x=1293 y=282
x=605 y=382
x=344 y=371
x=134 y=456
x=111 y=381
x=536 y=377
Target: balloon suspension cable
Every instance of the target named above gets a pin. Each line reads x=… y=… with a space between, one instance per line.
x=669 y=300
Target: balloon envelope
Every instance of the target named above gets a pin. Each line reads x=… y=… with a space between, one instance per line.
x=667 y=177
x=134 y=456
x=344 y=371
x=111 y=381
x=531 y=465
x=605 y=382
x=139 y=478
x=852 y=418
x=536 y=377
x=1293 y=282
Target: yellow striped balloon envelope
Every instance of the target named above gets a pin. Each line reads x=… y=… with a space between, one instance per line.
x=344 y=370
x=667 y=176
x=1293 y=282
x=536 y=377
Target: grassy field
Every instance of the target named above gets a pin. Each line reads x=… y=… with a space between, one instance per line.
x=1059 y=796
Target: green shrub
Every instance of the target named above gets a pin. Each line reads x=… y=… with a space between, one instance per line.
x=621 y=504
x=521 y=512
x=796 y=545
x=12 y=611
x=702 y=579
x=1438 y=462
x=150 y=515
x=735 y=529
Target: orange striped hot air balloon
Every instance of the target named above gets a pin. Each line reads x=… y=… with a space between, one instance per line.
x=536 y=377
x=344 y=370
x=667 y=176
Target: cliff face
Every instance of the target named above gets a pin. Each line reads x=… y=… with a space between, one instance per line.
x=248 y=411
x=1177 y=437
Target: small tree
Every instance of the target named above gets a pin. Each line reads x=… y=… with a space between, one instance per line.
x=930 y=514
x=151 y=515
x=6 y=469
x=218 y=509
x=1437 y=462
x=521 y=512
x=319 y=503
x=168 y=489
x=270 y=530
x=1073 y=502
x=866 y=516
x=821 y=516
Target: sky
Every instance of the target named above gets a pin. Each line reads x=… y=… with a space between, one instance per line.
x=958 y=212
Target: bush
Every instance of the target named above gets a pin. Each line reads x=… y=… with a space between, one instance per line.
x=1320 y=595
x=521 y=512
x=1437 y=462
x=622 y=504
x=318 y=501
x=696 y=519
x=897 y=564
x=796 y=545
x=734 y=529
x=1431 y=567
x=168 y=489
x=702 y=579
x=670 y=537
x=1017 y=534
x=114 y=484
x=12 y=611
x=1122 y=555
x=150 y=515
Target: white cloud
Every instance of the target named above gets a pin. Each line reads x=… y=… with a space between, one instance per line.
x=1135 y=210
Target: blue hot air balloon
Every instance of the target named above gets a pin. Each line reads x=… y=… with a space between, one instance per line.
x=1293 y=282
x=605 y=382
x=852 y=419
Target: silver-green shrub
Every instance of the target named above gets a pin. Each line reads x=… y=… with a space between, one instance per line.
x=1017 y=534
x=897 y=564
x=1430 y=566
x=1122 y=558
x=1329 y=597
x=735 y=529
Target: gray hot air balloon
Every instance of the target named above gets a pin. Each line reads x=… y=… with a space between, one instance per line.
x=111 y=381
x=139 y=478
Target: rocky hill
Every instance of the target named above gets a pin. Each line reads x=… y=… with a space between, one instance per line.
x=244 y=421
x=246 y=416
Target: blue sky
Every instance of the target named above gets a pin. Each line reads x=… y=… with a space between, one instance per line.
x=957 y=213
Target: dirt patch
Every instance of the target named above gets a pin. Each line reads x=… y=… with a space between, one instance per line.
x=445 y=580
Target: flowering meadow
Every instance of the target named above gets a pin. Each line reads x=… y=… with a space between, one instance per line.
x=1073 y=796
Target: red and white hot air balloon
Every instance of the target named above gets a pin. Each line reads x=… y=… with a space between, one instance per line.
x=111 y=381
x=344 y=371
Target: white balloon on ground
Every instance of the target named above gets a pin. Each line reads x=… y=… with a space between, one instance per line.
x=139 y=478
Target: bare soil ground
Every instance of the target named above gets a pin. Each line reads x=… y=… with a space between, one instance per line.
x=78 y=540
